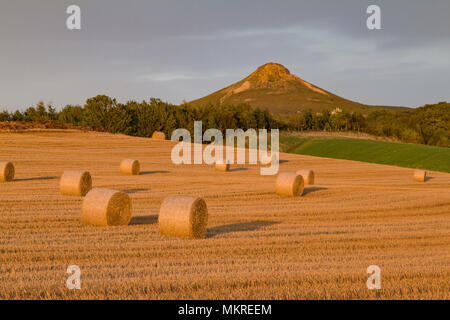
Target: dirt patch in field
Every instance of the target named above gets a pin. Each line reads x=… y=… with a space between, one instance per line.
x=19 y=126
x=351 y=135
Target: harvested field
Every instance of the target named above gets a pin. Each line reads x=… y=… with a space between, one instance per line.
x=258 y=245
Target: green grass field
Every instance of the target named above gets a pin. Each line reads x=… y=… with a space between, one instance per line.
x=382 y=152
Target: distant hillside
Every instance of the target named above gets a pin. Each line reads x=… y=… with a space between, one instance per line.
x=274 y=88
x=381 y=152
x=429 y=124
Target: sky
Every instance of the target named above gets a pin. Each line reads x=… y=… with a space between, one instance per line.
x=184 y=50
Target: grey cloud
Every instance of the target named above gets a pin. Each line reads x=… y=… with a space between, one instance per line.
x=185 y=49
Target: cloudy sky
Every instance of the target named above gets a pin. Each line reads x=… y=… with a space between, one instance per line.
x=185 y=49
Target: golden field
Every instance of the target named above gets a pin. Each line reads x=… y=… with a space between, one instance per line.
x=258 y=246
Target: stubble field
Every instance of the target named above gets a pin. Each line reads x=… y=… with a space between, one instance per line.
x=258 y=246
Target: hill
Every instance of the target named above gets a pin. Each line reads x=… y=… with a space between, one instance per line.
x=373 y=151
x=274 y=88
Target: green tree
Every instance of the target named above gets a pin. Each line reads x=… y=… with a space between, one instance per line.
x=5 y=116
x=71 y=114
x=98 y=112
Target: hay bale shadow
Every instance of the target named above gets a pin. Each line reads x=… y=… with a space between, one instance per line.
x=238 y=169
x=37 y=178
x=152 y=172
x=238 y=227
x=130 y=191
x=150 y=219
x=331 y=232
x=312 y=189
x=428 y=179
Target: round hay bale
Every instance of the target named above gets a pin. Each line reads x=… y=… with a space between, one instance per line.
x=420 y=175
x=130 y=166
x=184 y=217
x=158 y=135
x=308 y=176
x=75 y=183
x=222 y=167
x=7 y=171
x=289 y=184
x=104 y=207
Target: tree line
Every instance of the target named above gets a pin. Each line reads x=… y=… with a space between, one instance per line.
x=103 y=113
x=429 y=124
